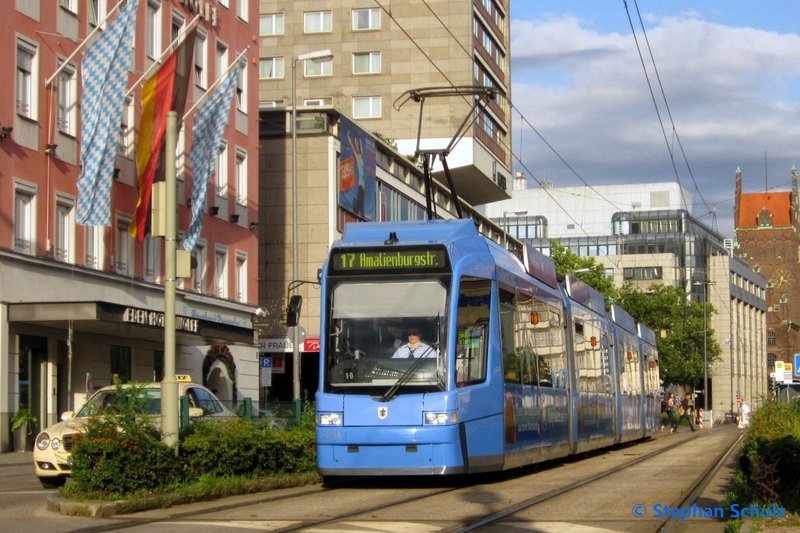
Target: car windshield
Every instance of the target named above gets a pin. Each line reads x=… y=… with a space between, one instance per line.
x=147 y=402
x=386 y=335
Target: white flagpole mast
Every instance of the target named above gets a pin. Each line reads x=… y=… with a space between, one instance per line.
x=171 y=48
x=214 y=86
x=81 y=45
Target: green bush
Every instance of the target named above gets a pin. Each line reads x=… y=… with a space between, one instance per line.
x=240 y=448
x=121 y=452
x=769 y=461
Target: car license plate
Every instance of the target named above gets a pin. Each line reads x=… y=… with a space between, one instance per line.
x=69 y=460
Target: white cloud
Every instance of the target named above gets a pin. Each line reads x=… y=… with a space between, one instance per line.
x=732 y=92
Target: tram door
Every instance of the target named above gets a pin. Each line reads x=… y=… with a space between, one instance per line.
x=33 y=377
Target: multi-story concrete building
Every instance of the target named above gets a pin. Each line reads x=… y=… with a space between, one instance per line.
x=80 y=304
x=645 y=234
x=766 y=225
x=396 y=186
x=381 y=51
x=367 y=57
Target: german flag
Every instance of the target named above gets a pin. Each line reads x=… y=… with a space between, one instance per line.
x=165 y=91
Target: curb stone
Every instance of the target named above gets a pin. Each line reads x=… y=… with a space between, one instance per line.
x=61 y=505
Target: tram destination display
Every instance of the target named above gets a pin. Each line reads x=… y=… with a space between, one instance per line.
x=382 y=260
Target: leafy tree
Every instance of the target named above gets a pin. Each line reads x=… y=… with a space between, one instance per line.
x=664 y=308
x=568 y=261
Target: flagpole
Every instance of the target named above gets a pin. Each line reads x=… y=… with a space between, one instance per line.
x=81 y=45
x=170 y=49
x=214 y=85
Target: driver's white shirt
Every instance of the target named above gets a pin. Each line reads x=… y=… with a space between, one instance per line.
x=422 y=350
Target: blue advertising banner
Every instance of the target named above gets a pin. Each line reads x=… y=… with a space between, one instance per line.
x=357 y=171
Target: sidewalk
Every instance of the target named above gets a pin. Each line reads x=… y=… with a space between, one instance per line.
x=16 y=459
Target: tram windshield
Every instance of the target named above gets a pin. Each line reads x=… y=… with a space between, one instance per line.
x=387 y=337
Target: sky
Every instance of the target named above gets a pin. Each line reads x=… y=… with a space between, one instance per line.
x=730 y=73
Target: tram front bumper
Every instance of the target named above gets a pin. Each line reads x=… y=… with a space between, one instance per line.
x=373 y=451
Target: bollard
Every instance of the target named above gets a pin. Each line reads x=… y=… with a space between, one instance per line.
x=700 y=419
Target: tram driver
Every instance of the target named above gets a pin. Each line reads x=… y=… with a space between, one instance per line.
x=414 y=347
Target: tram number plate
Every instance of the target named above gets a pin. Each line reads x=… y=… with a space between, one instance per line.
x=350 y=374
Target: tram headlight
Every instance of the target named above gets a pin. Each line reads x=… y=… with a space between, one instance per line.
x=438 y=419
x=330 y=419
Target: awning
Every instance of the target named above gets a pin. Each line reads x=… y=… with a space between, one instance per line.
x=104 y=318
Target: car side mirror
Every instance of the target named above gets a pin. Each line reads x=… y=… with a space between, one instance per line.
x=195 y=412
x=66 y=415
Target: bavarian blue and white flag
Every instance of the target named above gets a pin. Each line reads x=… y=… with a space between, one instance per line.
x=105 y=82
x=209 y=125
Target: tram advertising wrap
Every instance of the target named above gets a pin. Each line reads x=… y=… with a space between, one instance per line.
x=443 y=353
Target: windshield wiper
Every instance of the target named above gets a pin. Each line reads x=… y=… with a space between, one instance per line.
x=402 y=380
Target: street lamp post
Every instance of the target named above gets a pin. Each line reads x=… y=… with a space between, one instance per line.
x=319 y=55
x=705 y=285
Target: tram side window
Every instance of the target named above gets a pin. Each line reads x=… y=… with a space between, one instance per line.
x=512 y=368
x=589 y=356
x=629 y=362
x=550 y=348
x=524 y=338
x=473 y=321
x=651 y=378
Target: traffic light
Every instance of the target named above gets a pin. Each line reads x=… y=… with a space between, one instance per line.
x=293 y=310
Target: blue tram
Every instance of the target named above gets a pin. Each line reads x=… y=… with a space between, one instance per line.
x=443 y=353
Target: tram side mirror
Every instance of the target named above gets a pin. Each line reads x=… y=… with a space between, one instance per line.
x=293 y=311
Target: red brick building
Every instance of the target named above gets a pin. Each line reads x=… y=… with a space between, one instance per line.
x=79 y=304
x=766 y=226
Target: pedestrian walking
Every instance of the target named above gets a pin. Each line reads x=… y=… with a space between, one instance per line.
x=686 y=408
x=672 y=406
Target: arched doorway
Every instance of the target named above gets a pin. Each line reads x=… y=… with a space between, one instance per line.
x=219 y=373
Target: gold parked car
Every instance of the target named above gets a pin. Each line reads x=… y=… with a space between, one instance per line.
x=52 y=456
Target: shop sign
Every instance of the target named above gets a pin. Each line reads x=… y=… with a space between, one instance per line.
x=156 y=319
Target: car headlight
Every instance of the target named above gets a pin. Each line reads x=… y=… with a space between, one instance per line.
x=440 y=418
x=42 y=441
x=56 y=444
x=330 y=419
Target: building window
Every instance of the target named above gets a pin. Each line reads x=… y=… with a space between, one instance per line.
x=241 y=277
x=222 y=170
x=64 y=229
x=200 y=274
x=317 y=21
x=241 y=10
x=318 y=68
x=96 y=10
x=271 y=24
x=124 y=259
x=221 y=273
x=270 y=67
x=367 y=63
x=200 y=74
x=366 y=107
x=121 y=363
x=93 y=247
x=152 y=46
x=222 y=59
x=241 y=177
x=67 y=101
x=124 y=129
x=177 y=25
x=367 y=19
x=26 y=74
x=23 y=222
x=271 y=104
x=224 y=3
x=317 y=101
x=152 y=254
x=69 y=5
x=241 y=87
x=158 y=365
x=771 y=338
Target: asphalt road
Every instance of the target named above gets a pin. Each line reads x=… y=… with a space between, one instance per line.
x=420 y=505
